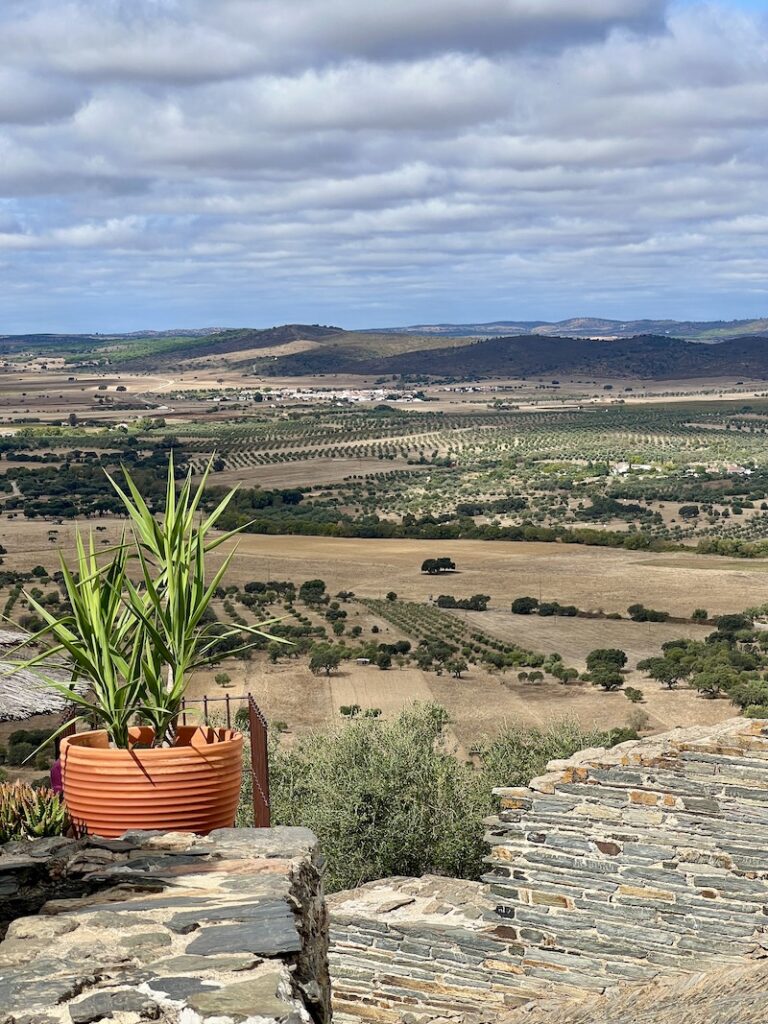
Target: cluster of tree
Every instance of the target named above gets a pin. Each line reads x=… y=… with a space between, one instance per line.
x=284 y=589
x=491 y=506
x=82 y=489
x=639 y=613
x=21 y=746
x=605 y=665
x=249 y=500
x=604 y=507
x=313 y=592
x=732 y=660
x=677 y=487
x=476 y=603
x=313 y=518
x=433 y=566
x=531 y=606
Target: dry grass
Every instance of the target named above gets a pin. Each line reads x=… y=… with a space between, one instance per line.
x=588 y=577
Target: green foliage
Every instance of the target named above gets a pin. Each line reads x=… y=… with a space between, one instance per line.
x=30 y=813
x=324 y=658
x=390 y=798
x=433 y=566
x=312 y=592
x=639 y=613
x=136 y=644
x=476 y=603
x=606 y=676
x=612 y=657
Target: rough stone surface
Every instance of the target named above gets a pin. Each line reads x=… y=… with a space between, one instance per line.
x=117 y=919
x=615 y=868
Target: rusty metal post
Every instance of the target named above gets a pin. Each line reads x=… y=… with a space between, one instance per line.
x=259 y=764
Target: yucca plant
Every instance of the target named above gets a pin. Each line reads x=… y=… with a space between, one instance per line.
x=136 y=643
x=29 y=813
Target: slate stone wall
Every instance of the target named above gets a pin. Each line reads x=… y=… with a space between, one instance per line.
x=650 y=857
x=615 y=867
x=169 y=927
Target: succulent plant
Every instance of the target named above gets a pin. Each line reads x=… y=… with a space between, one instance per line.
x=27 y=812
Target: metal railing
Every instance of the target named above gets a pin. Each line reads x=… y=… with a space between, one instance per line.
x=257 y=731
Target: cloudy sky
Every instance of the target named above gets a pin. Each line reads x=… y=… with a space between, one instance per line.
x=170 y=163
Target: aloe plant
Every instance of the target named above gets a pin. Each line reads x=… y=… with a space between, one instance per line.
x=27 y=813
x=137 y=642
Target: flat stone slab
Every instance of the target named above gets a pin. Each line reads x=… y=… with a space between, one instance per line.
x=271 y=935
x=256 y=997
x=104 y=1005
x=180 y=987
x=143 y=927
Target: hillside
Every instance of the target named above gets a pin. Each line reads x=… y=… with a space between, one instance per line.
x=645 y=357
x=301 y=349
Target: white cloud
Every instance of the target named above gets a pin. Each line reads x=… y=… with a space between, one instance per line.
x=320 y=157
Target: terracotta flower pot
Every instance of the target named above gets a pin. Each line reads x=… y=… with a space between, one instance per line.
x=193 y=786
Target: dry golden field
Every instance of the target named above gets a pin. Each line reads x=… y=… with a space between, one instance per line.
x=483 y=701
x=588 y=577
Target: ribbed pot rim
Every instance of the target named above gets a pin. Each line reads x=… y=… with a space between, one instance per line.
x=208 y=737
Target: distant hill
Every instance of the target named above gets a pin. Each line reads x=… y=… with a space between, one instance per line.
x=593 y=327
x=644 y=357
x=300 y=349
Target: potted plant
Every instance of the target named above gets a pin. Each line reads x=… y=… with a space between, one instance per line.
x=137 y=627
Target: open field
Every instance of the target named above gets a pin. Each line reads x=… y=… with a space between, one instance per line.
x=446 y=461
x=589 y=577
x=576 y=637
x=295 y=474
x=480 y=704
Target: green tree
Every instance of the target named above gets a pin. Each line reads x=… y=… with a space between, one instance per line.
x=388 y=797
x=606 y=676
x=324 y=659
x=668 y=671
x=610 y=656
x=456 y=666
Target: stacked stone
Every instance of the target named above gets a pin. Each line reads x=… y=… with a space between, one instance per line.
x=651 y=857
x=423 y=949
x=614 y=868
x=165 y=926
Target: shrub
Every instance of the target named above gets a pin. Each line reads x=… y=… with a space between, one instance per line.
x=390 y=798
x=19 y=752
x=610 y=656
x=637 y=720
x=28 y=813
x=634 y=695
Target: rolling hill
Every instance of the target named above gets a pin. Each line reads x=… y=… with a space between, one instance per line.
x=643 y=357
x=301 y=349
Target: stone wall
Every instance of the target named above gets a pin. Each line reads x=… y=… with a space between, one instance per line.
x=615 y=867
x=167 y=927
x=649 y=857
